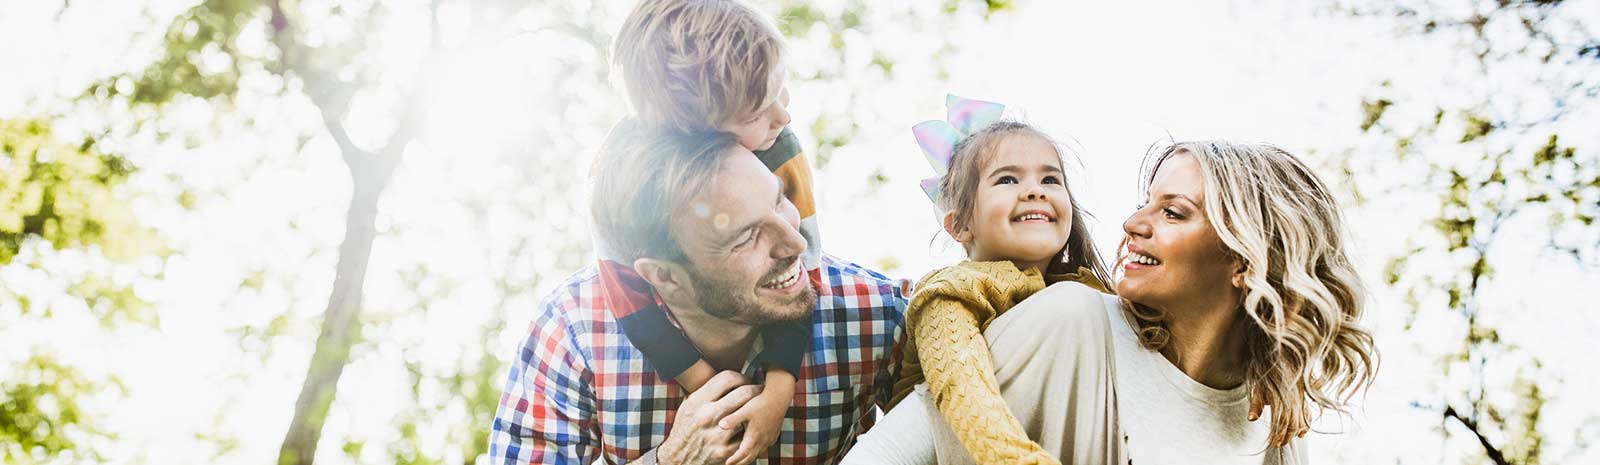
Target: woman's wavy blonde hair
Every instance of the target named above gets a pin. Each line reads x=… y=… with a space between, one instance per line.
x=1300 y=290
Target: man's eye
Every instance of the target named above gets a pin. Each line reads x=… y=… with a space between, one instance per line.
x=748 y=239
x=1006 y=180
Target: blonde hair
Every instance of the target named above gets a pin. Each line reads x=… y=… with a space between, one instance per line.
x=642 y=177
x=958 y=193
x=695 y=64
x=1301 y=292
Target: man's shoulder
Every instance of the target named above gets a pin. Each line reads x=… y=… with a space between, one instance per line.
x=575 y=287
x=575 y=302
x=840 y=277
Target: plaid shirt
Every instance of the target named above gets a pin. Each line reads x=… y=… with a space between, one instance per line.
x=580 y=392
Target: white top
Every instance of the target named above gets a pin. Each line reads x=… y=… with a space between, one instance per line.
x=1165 y=416
x=1171 y=418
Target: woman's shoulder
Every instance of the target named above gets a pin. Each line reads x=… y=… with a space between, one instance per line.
x=1063 y=308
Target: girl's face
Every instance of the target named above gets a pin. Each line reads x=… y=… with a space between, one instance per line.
x=1023 y=212
x=1173 y=253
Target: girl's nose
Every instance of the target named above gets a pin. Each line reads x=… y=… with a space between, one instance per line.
x=1033 y=193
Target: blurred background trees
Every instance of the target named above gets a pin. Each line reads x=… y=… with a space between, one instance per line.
x=375 y=193
x=1505 y=169
x=241 y=231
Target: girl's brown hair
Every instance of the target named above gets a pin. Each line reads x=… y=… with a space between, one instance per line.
x=958 y=193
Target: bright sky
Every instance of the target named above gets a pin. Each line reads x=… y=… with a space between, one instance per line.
x=1113 y=78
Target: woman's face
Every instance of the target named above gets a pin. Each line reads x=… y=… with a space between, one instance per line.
x=1173 y=255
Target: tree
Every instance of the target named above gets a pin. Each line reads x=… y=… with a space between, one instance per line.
x=1500 y=142
x=489 y=106
x=60 y=199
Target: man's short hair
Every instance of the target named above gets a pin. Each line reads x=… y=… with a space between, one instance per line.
x=696 y=64
x=642 y=177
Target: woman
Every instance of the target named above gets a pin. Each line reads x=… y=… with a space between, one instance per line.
x=1234 y=285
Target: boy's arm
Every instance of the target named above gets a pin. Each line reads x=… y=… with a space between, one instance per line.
x=762 y=416
x=945 y=318
x=788 y=161
x=785 y=346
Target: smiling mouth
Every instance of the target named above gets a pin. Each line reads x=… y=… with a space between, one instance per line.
x=788 y=279
x=1142 y=259
x=1033 y=217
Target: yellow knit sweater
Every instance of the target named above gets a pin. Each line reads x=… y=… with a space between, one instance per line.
x=947 y=315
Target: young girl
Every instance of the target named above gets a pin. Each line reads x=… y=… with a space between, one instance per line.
x=1003 y=196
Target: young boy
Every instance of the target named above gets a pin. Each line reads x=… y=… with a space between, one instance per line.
x=714 y=65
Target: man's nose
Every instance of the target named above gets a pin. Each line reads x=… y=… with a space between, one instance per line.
x=790 y=243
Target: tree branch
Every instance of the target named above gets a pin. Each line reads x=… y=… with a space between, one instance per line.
x=1494 y=453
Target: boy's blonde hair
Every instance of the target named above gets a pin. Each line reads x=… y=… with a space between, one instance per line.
x=696 y=64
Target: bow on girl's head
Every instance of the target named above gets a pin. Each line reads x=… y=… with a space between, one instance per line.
x=938 y=138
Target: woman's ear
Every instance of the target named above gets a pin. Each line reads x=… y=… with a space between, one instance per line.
x=670 y=279
x=959 y=233
x=1238 y=272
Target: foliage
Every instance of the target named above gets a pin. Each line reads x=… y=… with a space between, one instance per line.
x=1513 y=152
x=60 y=199
x=303 y=81
x=64 y=194
x=40 y=418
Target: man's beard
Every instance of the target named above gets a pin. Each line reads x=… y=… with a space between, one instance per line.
x=726 y=298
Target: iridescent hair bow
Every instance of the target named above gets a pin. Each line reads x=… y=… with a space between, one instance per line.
x=938 y=139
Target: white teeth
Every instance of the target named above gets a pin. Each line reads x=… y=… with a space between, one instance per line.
x=787 y=281
x=1033 y=216
x=1142 y=259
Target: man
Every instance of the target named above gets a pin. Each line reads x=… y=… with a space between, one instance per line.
x=706 y=226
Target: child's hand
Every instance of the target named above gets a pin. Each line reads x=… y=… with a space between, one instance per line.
x=762 y=417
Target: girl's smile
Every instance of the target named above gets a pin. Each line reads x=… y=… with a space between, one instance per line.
x=1020 y=200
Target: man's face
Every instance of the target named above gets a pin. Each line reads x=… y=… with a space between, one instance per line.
x=741 y=239
x=759 y=129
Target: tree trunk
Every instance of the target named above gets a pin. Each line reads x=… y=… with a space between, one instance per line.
x=340 y=326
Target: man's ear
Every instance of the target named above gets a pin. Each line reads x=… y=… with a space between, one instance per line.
x=959 y=233
x=670 y=279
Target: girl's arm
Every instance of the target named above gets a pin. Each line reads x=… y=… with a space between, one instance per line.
x=946 y=316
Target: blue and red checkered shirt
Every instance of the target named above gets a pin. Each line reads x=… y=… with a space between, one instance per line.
x=579 y=391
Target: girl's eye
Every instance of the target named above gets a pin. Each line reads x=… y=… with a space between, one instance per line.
x=1007 y=179
x=1051 y=180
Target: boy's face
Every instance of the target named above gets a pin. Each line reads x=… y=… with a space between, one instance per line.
x=758 y=130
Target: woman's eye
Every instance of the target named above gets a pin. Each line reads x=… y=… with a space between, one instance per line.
x=1172 y=214
x=1006 y=180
